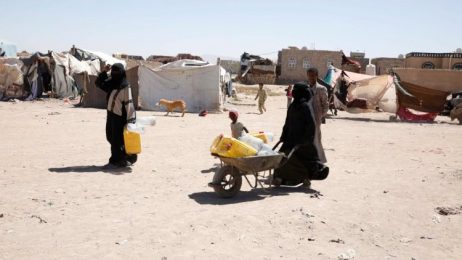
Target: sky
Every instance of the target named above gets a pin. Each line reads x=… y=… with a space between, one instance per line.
x=228 y=28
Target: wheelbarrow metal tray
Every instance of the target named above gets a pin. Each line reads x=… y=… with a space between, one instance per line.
x=254 y=164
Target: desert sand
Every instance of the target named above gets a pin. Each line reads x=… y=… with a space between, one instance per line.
x=380 y=201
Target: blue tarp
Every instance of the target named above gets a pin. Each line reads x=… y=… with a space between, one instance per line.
x=8 y=49
x=329 y=78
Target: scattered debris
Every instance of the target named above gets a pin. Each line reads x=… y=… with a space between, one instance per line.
x=405 y=240
x=349 y=254
x=311 y=239
x=385 y=191
x=425 y=237
x=445 y=211
x=39 y=218
x=54 y=113
x=123 y=242
x=436 y=219
x=338 y=241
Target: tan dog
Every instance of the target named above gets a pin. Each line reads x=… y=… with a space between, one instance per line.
x=172 y=105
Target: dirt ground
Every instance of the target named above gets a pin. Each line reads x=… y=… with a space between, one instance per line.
x=380 y=201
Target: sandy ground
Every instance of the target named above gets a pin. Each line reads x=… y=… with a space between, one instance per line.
x=379 y=202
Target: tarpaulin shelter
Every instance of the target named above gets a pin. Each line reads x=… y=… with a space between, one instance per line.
x=369 y=94
x=8 y=49
x=86 y=55
x=195 y=82
x=419 y=98
x=442 y=80
x=11 y=80
x=95 y=97
x=359 y=93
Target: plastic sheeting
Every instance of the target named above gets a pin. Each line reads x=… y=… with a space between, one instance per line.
x=333 y=74
x=8 y=49
x=420 y=98
x=375 y=92
x=74 y=66
x=11 y=82
x=106 y=58
x=198 y=86
x=407 y=115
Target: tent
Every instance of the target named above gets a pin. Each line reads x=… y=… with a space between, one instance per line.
x=86 y=55
x=8 y=50
x=95 y=97
x=195 y=82
x=11 y=80
x=368 y=94
x=420 y=98
x=442 y=80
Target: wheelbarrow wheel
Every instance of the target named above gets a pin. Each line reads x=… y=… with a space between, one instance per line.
x=227 y=181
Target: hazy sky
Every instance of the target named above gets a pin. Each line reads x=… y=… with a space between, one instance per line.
x=227 y=28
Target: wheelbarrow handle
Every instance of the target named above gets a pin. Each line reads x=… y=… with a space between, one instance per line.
x=277 y=144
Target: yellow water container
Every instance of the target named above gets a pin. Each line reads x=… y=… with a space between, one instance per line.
x=231 y=148
x=132 y=141
x=262 y=136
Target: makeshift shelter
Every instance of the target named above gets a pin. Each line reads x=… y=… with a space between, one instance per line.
x=95 y=97
x=92 y=95
x=8 y=50
x=195 y=82
x=369 y=94
x=442 y=80
x=420 y=98
x=255 y=69
x=11 y=80
x=86 y=55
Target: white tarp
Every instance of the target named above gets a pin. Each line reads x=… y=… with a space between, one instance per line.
x=8 y=49
x=106 y=58
x=377 y=91
x=198 y=85
x=74 y=66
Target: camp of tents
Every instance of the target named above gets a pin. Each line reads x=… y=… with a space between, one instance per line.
x=411 y=94
x=72 y=74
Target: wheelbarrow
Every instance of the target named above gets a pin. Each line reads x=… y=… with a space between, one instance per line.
x=227 y=181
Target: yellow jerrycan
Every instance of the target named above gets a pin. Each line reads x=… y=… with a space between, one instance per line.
x=132 y=141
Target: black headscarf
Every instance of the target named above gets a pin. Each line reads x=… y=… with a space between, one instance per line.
x=118 y=76
x=301 y=93
x=299 y=128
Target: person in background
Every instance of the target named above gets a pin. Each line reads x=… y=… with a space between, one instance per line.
x=320 y=107
x=237 y=128
x=289 y=95
x=120 y=111
x=261 y=96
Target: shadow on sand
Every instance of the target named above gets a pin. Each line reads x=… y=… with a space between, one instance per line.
x=210 y=198
x=381 y=120
x=90 y=169
x=213 y=169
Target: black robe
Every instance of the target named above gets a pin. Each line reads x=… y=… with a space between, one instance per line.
x=114 y=123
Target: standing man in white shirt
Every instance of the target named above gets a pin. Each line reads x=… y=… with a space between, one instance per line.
x=320 y=106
